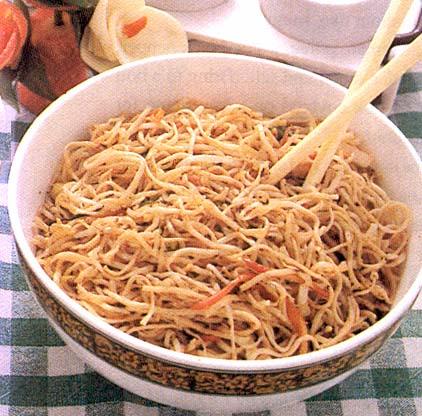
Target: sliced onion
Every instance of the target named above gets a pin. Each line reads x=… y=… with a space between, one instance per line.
x=99 y=22
x=96 y=47
x=163 y=34
x=90 y=57
x=98 y=26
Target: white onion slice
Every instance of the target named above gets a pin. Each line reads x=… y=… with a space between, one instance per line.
x=163 y=34
x=99 y=21
x=90 y=57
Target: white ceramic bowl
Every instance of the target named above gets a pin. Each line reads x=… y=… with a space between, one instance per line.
x=177 y=379
x=184 y=5
x=335 y=23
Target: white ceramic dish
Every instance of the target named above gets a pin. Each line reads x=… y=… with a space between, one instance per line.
x=335 y=23
x=184 y=5
x=197 y=383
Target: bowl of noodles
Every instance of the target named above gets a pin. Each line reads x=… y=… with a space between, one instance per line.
x=165 y=258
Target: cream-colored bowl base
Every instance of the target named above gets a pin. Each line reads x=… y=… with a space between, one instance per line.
x=212 y=404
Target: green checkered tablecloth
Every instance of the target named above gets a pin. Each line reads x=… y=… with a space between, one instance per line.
x=40 y=376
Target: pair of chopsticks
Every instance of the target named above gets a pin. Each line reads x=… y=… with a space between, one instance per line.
x=368 y=82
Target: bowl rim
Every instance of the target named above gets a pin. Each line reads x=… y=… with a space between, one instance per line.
x=340 y=6
x=161 y=353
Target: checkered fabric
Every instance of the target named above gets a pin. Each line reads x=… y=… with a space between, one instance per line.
x=40 y=376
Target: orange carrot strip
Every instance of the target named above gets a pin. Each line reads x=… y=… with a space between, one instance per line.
x=207 y=303
x=322 y=293
x=259 y=268
x=293 y=277
x=265 y=294
x=133 y=28
x=248 y=275
x=158 y=114
x=298 y=323
x=210 y=338
x=255 y=267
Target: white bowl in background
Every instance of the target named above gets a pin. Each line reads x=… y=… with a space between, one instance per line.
x=336 y=23
x=177 y=379
x=184 y=5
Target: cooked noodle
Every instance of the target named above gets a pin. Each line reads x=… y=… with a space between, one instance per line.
x=162 y=224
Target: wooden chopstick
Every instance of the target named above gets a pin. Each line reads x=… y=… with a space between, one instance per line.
x=383 y=38
x=351 y=105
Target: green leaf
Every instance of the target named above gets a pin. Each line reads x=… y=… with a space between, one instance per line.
x=85 y=4
x=77 y=3
x=80 y=19
x=52 y=3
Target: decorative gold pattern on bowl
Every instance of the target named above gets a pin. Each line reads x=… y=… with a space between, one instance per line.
x=192 y=379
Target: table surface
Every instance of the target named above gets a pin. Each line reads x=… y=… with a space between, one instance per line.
x=40 y=376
